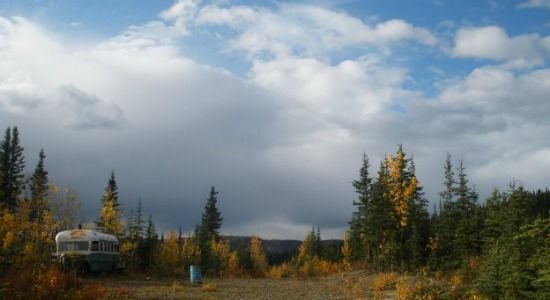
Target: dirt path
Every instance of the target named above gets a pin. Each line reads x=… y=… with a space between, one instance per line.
x=352 y=285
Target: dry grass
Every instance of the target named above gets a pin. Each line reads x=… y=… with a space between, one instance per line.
x=345 y=285
x=350 y=285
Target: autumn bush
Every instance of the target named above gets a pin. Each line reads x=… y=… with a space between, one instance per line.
x=283 y=270
x=317 y=267
x=37 y=283
x=383 y=282
x=404 y=289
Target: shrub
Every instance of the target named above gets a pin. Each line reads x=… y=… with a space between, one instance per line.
x=404 y=289
x=283 y=270
x=317 y=267
x=209 y=287
x=384 y=281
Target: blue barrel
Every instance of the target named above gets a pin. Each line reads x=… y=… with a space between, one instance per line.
x=195 y=274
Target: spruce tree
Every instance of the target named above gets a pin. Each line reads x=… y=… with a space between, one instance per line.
x=110 y=217
x=444 y=226
x=381 y=223
x=358 y=224
x=418 y=229
x=148 y=252
x=111 y=191
x=39 y=188
x=448 y=194
x=208 y=230
x=137 y=223
x=12 y=164
x=211 y=221
x=467 y=239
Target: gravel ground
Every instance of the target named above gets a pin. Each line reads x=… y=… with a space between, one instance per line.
x=352 y=285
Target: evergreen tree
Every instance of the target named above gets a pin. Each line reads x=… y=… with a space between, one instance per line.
x=418 y=229
x=211 y=221
x=110 y=217
x=444 y=224
x=541 y=203
x=318 y=244
x=208 y=231
x=506 y=255
x=39 y=188
x=311 y=246
x=12 y=164
x=134 y=243
x=150 y=244
x=467 y=239
x=111 y=192
x=358 y=224
x=448 y=194
x=137 y=223
x=380 y=224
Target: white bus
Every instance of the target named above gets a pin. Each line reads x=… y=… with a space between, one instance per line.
x=87 y=251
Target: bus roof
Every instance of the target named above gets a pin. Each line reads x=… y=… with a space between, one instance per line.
x=83 y=234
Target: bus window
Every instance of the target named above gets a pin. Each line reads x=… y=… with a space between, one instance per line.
x=72 y=246
x=95 y=246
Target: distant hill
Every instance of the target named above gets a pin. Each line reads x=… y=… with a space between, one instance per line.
x=276 y=250
x=270 y=246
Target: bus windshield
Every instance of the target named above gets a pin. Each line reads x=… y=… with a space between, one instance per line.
x=72 y=246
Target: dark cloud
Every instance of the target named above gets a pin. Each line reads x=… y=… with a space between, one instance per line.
x=90 y=112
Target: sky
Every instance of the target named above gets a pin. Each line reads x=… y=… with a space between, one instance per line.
x=274 y=102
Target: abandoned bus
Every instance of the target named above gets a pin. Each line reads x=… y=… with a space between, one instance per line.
x=87 y=251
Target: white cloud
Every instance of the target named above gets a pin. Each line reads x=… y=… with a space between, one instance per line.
x=535 y=4
x=492 y=42
x=493 y=118
x=180 y=14
x=181 y=8
x=349 y=92
x=306 y=30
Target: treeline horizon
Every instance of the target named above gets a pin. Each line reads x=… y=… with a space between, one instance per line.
x=498 y=247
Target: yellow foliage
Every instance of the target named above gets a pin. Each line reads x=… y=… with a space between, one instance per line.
x=170 y=255
x=9 y=240
x=384 y=281
x=46 y=283
x=317 y=267
x=404 y=289
x=346 y=252
x=24 y=242
x=259 y=259
x=221 y=250
x=400 y=190
x=176 y=286
x=209 y=287
x=110 y=217
x=283 y=270
x=191 y=252
x=233 y=267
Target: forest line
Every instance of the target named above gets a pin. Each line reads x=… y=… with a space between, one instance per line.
x=496 y=248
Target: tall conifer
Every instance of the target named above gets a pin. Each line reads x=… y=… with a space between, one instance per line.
x=12 y=164
x=39 y=188
x=358 y=224
x=110 y=216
